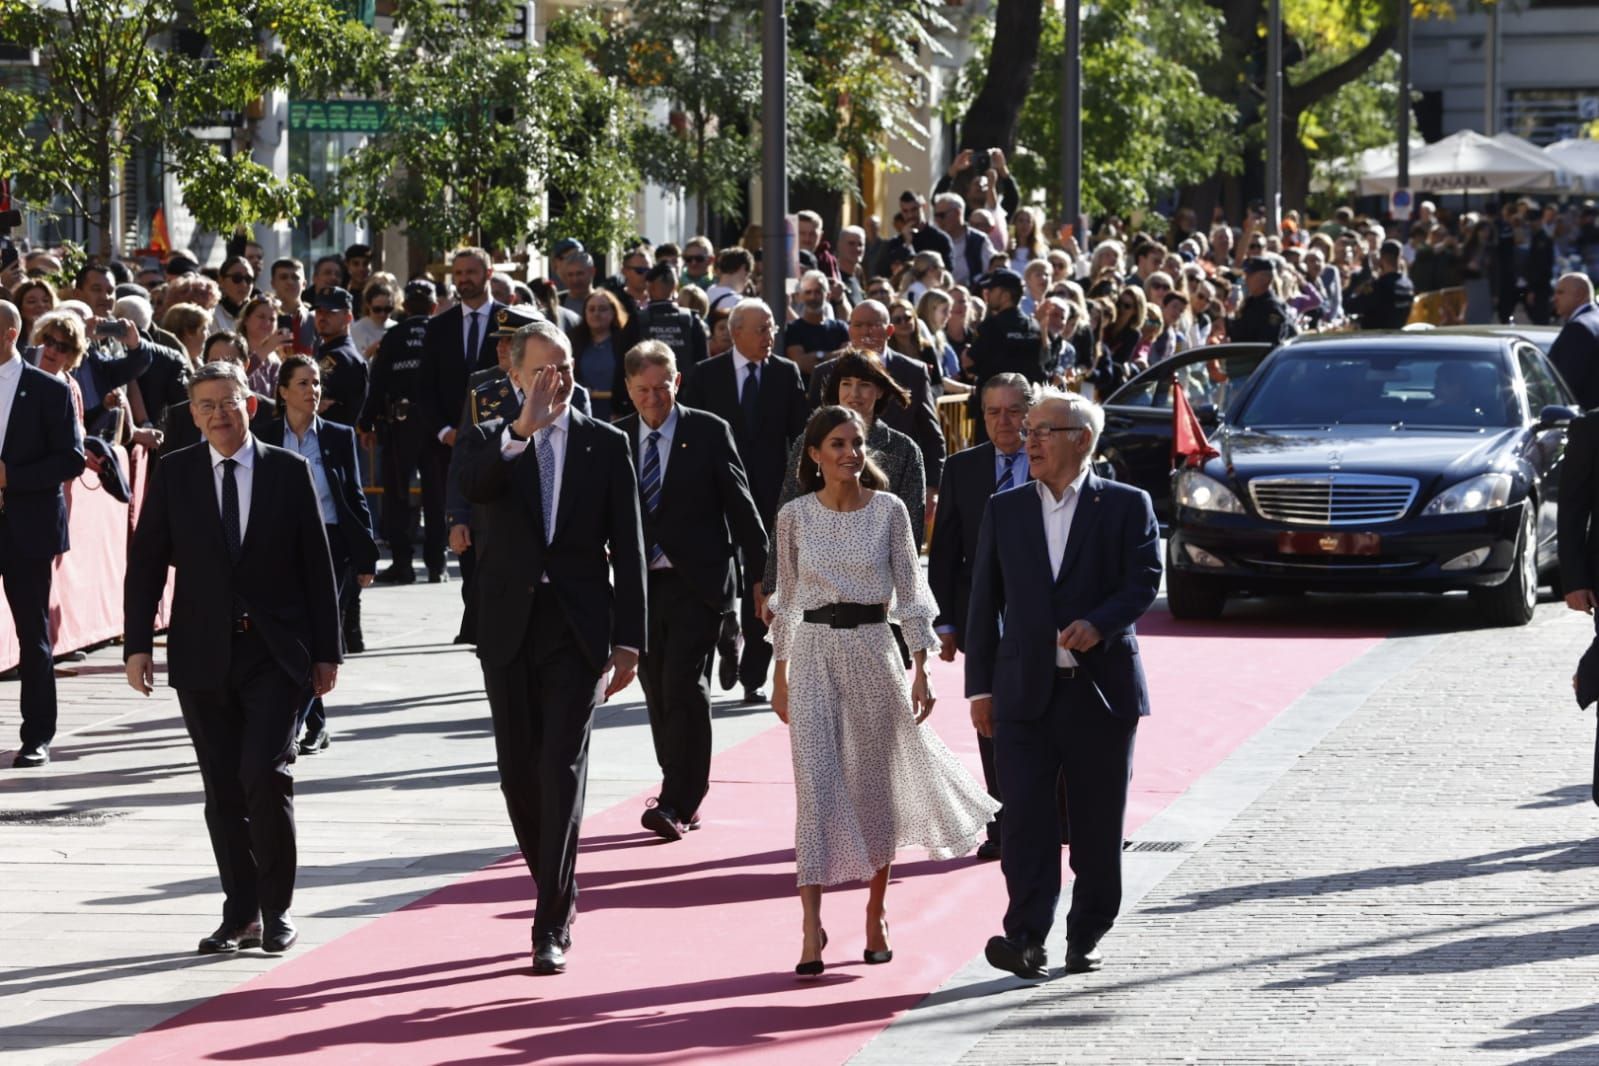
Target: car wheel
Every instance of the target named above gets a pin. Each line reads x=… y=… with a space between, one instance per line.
x=1513 y=602
x=1193 y=596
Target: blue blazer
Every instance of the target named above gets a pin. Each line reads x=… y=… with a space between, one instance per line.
x=1109 y=576
x=1575 y=353
x=43 y=450
x=344 y=481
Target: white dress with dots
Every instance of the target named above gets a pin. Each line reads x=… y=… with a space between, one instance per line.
x=868 y=779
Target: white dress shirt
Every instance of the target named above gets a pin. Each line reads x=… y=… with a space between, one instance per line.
x=483 y=328
x=740 y=361
x=10 y=376
x=1058 y=515
x=309 y=448
x=664 y=448
x=557 y=432
x=243 y=474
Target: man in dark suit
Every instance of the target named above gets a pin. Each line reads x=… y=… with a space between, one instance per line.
x=1065 y=566
x=41 y=447
x=970 y=478
x=1575 y=352
x=255 y=621
x=870 y=329
x=1579 y=542
x=329 y=450
x=561 y=515
x=759 y=395
x=697 y=507
x=1385 y=302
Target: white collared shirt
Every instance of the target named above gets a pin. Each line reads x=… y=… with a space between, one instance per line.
x=10 y=377
x=309 y=448
x=243 y=476
x=1058 y=515
x=557 y=432
x=483 y=328
x=664 y=448
x=740 y=361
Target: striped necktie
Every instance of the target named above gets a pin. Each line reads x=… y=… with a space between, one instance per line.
x=649 y=486
x=1007 y=477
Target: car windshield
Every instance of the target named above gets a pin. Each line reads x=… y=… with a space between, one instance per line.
x=1407 y=390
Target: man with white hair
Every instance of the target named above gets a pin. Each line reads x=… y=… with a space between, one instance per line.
x=758 y=393
x=1575 y=352
x=809 y=338
x=973 y=250
x=166 y=381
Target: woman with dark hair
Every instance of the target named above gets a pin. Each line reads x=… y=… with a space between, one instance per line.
x=597 y=346
x=1121 y=342
x=265 y=344
x=868 y=779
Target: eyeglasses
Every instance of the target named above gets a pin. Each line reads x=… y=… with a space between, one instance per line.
x=60 y=344
x=900 y=320
x=1162 y=286
x=382 y=309
x=238 y=279
x=1127 y=305
x=1043 y=433
x=696 y=259
x=638 y=270
x=207 y=408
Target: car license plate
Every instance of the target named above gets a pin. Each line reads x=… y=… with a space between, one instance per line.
x=1308 y=543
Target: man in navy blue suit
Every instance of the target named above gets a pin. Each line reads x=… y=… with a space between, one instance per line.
x=41 y=446
x=1064 y=567
x=1575 y=352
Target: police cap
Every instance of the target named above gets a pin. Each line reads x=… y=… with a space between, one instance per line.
x=507 y=320
x=332 y=298
x=1003 y=278
x=1257 y=263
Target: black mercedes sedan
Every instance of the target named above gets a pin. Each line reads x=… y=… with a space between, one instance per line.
x=1422 y=462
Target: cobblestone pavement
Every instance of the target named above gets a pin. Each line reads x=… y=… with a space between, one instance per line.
x=1422 y=885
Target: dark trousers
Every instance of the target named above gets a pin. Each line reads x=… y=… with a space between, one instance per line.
x=1093 y=749
x=985 y=755
x=313 y=716
x=757 y=655
x=542 y=704
x=468 y=563
x=243 y=738
x=27 y=586
x=407 y=451
x=674 y=672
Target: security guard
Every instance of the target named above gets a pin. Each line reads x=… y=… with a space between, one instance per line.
x=1007 y=341
x=1263 y=318
x=407 y=447
x=1384 y=303
x=663 y=320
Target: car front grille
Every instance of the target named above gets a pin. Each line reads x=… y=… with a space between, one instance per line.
x=1333 y=499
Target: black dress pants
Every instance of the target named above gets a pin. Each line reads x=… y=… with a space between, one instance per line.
x=407 y=450
x=674 y=673
x=27 y=587
x=243 y=738
x=542 y=704
x=313 y=715
x=756 y=658
x=1093 y=749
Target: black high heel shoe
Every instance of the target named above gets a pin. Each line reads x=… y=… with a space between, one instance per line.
x=812 y=969
x=877 y=958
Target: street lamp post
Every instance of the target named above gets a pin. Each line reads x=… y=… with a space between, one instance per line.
x=1274 y=117
x=774 y=155
x=1403 y=126
x=1071 y=118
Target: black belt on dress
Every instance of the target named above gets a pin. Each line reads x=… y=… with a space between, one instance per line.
x=848 y=615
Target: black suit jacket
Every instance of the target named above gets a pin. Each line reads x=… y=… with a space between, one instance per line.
x=706 y=508
x=337 y=444
x=284 y=576
x=1578 y=532
x=962 y=498
x=43 y=450
x=783 y=413
x=445 y=367
x=1575 y=353
x=919 y=421
x=344 y=380
x=166 y=382
x=598 y=509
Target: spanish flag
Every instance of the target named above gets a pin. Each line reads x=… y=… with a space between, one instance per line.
x=160 y=243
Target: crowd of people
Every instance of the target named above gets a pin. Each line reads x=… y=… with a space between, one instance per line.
x=655 y=472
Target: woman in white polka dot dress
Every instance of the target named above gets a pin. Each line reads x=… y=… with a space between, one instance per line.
x=869 y=779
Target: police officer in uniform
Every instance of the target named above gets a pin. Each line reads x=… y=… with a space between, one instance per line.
x=1263 y=318
x=663 y=320
x=344 y=381
x=407 y=447
x=1384 y=303
x=1007 y=341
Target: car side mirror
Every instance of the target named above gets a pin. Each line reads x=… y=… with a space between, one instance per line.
x=1556 y=416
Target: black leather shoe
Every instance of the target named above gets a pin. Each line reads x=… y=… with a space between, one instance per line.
x=988 y=851
x=313 y=743
x=1079 y=960
x=662 y=821
x=754 y=695
x=1026 y=961
x=438 y=577
x=230 y=938
x=396 y=574
x=549 y=953
x=693 y=822
x=727 y=650
x=280 y=933
x=462 y=638
x=31 y=755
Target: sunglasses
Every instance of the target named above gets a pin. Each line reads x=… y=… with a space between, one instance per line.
x=57 y=343
x=238 y=279
x=696 y=259
x=900 y=320
x=1127 y=305
x=638 y=270
x=382 y=309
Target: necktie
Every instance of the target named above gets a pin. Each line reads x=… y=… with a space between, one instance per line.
x=471 y=341
x=650 y=483
x=1007 y=477
x=749 y=397
x=230 y=509
x=546 y=456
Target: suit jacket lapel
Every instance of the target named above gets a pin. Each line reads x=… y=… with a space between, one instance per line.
x=577 y=441
x=1082 y=523
x=206 y=489
x=1032 y=527
x=682 y=445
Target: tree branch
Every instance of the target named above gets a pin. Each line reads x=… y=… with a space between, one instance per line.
x=1297 y=98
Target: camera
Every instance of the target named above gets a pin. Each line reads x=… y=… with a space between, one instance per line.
x=286 y=322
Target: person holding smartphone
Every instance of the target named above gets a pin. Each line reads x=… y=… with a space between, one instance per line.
x=268 y=340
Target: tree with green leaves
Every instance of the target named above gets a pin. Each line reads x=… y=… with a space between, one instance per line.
x=482 y=128
x=118 y=77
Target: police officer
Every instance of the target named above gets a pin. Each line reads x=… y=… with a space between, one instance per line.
x=390 y=419
x=344 y=381
x=1007 y=341
x=663 y=320
x=1384 y=303
x=1263 y=318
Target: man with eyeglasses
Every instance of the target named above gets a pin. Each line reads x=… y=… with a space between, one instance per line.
x=1064 y=568
x=254 y=624
x=237 y=282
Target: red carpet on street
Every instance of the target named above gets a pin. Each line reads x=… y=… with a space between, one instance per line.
x=684 y=952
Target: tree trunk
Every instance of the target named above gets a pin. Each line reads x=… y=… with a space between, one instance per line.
x=1297 y=99
x=990 y=121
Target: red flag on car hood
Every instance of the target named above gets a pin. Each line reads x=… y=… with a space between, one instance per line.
x=1188 y=444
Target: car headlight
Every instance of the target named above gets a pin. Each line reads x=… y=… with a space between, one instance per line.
x=1204 y=493
x=1485 y=492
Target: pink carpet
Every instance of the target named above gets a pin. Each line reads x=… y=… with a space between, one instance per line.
x=685 y=952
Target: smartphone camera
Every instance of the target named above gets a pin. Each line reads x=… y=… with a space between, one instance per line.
x=286 y=322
